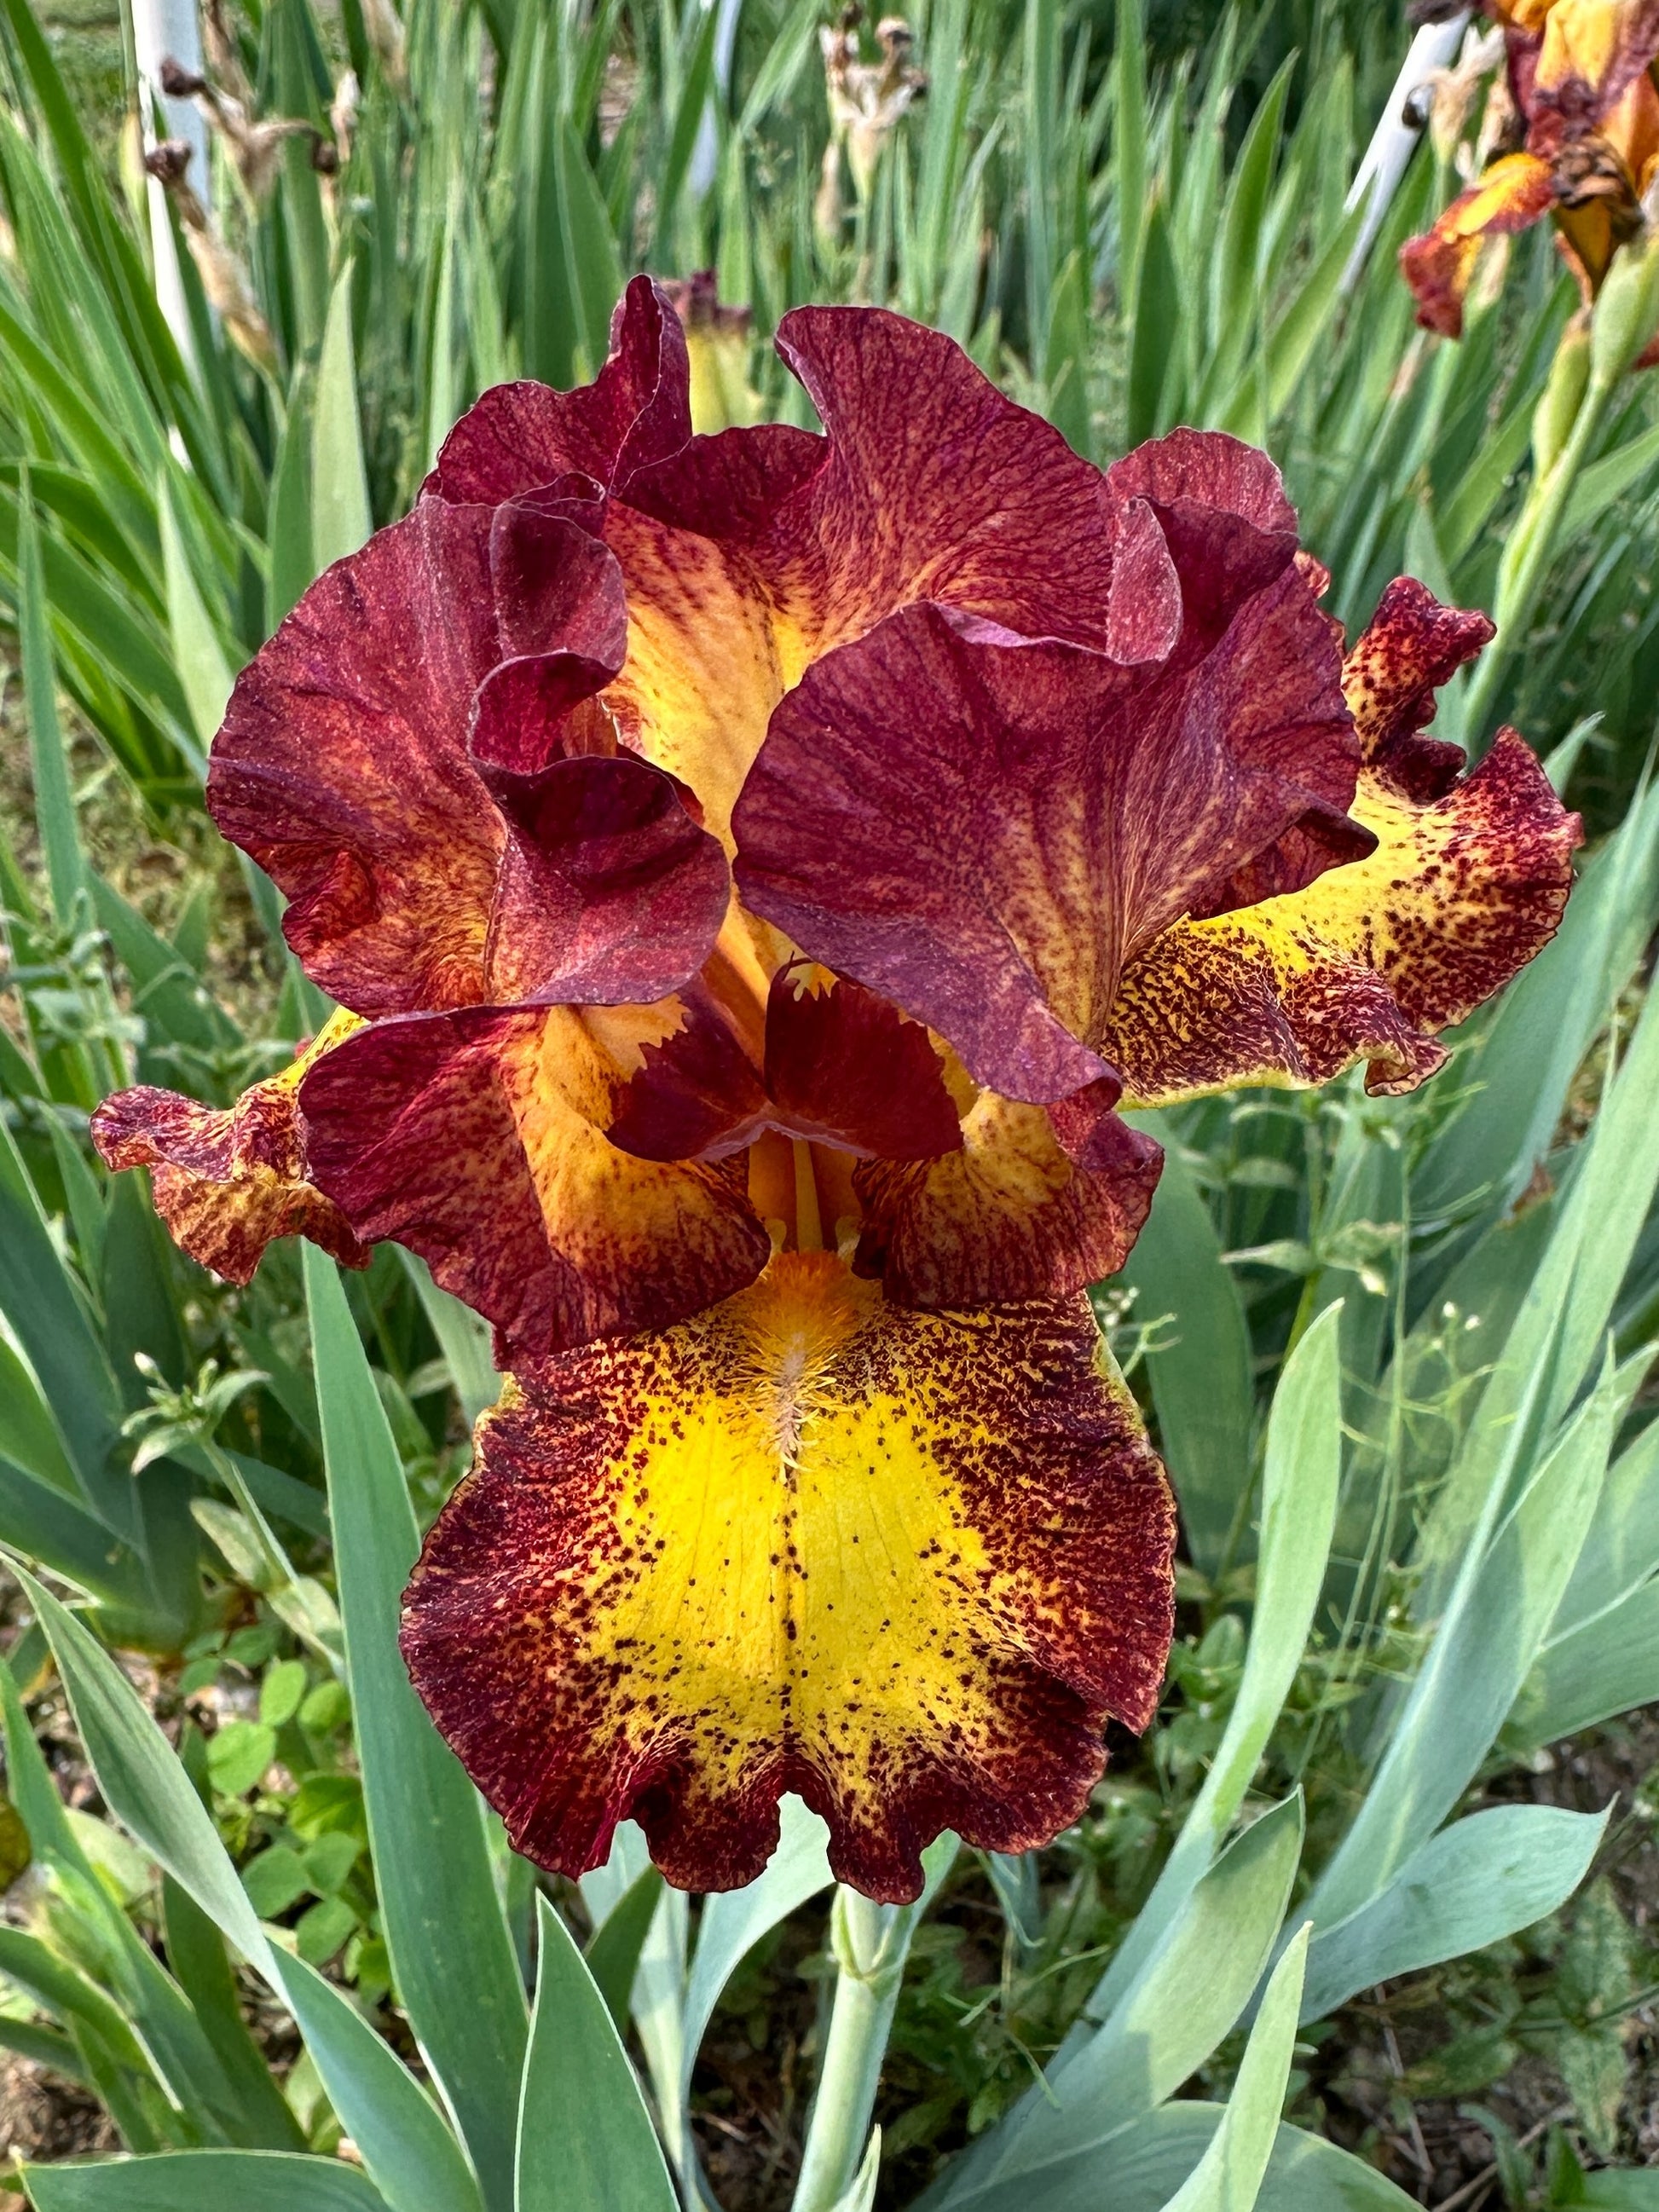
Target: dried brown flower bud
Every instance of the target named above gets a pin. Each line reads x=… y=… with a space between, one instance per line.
x=168 y=162
x=179 y=82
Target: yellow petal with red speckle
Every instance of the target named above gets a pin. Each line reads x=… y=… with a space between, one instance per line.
x=228 y=1181
x=903 y=1564
x=1369 y=961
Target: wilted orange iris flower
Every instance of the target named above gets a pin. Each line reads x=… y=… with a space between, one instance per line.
x=758 y=866
x=1584 y=78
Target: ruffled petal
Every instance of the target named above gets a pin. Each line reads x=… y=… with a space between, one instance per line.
x=228 y=1181
x=749 y=555
x=936 y=486
x=478 y=1138
x=1371 y=961
x=904 y=1564
x=1467 y=884
x=1014 y=1212
x=1049 y=810
x=519 y=437
x=343 y=765
x=1412 y=646
x=1517 y=190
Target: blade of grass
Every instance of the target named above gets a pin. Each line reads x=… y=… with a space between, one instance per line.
x=340 y=517
x=54 y=803
x=584 y=2142
x=452 y=1955
x=410 y=2153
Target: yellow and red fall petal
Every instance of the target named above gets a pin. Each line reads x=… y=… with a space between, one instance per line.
x=1517 y=190
x=1049 y=810
x=1371 y=961
x=637 y=411
x=343 y=765
x=904 y=1564
x=477 y=1139
x=1010 y=1213
x=228 y=1181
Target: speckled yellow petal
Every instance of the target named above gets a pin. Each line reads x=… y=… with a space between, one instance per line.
x=1371 y=961
x=228 y=1181
x=904 y=1564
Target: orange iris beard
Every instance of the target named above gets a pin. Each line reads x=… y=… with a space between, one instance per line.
x=757 y=868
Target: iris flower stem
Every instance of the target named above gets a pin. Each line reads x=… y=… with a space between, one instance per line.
x=870 y=1943
x=1526 y=556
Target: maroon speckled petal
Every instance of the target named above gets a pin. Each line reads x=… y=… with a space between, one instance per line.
x=1371 y=961
x=637 y=411
x=1049 y=810
x=1412 y=647
x=749 y=555
x=478 y=1138
x=227 y=1181
x=1036 y=1201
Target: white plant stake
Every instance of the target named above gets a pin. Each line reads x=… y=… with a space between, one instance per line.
x=166 y=30
x=1398 y=129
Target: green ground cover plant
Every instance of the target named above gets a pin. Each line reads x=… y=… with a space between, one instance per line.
x=1395 y=1351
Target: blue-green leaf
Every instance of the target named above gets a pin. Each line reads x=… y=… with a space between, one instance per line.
x=1229 y=2176
x=1305 y=1463
x=452 y=1955
x=203 y=2181
x=1477 y=1881
x=585 y=2138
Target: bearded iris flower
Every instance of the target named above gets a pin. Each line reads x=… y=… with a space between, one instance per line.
x=758 y=867
x=1583 y=76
